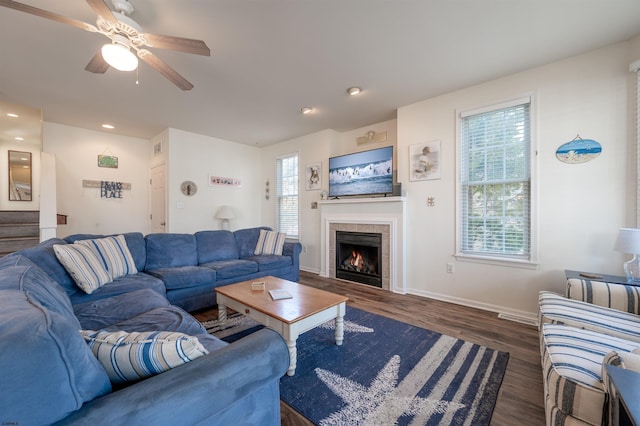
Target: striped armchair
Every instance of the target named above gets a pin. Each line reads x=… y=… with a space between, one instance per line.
x=578 y=332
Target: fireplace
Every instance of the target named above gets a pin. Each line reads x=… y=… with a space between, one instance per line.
x=359 y=257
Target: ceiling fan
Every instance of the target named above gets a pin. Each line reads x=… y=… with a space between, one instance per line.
x=125 y=34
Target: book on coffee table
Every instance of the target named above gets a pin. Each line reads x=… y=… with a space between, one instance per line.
x=279 y=294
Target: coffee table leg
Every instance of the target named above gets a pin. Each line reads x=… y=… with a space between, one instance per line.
x=293 y=357
x=222 y=314
x=339 y=330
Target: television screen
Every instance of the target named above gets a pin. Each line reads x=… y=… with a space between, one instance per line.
x=362 y=173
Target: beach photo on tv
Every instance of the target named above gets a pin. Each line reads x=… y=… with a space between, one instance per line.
x=363 y=173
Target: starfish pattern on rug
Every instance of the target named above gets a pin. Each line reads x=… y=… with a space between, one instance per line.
x=349 y=326
x=363 y=402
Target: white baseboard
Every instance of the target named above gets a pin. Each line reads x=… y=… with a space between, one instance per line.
x=503 y=312
x=311 y=270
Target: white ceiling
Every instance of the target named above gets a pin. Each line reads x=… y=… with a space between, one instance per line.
x=269 y=58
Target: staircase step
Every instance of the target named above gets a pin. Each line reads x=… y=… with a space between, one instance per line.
x=22 y=216
x=19 y=230
x=9 y=245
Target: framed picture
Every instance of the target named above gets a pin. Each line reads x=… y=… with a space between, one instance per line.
x=110 y=161
x=424 y=161
x=313 y=176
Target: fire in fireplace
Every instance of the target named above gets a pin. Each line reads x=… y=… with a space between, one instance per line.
x=358 y=257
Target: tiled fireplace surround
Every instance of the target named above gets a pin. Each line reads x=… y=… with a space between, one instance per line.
x=377 y=215
x=361 y=227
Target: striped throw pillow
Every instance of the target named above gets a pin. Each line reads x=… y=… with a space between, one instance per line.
x=270 y=242
x=83 y=265
x=129 y=357
x=114 y=253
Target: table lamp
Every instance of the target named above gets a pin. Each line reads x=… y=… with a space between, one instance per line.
x=628 y=241
x=225 y=213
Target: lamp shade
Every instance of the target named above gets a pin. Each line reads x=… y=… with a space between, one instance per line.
x=628 y=241
x=225 y=212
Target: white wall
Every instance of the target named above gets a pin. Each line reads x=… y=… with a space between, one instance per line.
x=195 y=157
x=76 y=151
x=580 y=206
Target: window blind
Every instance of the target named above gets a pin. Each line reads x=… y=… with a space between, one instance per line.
x=287 y=195
x=494 y=216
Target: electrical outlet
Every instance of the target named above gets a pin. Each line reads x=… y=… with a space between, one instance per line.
x=450 y=268
x=304 y=248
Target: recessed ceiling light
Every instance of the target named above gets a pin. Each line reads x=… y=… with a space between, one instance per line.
x=12 y=115
x=18 y=138
x=353 y=91
x=108 y=126
x=306 y=110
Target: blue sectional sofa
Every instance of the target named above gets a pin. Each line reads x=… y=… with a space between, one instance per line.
x=54 y=374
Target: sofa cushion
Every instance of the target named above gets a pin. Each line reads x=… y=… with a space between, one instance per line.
x=40 y=286
x=270 y=262
x=44 y=256
x=114 y=253
x=171 y=250
x=47 y=368
x=572 y=367
x=121 y=285
x=102 y=313
x=557 y=309
x=246 y=240
x=216 y=245
x=270 y=242
x=232 y=268
x=129 y=357
x=184 y=276
x=83 y=265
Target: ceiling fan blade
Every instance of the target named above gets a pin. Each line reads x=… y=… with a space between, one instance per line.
x=46 y=14
x=164 y=69
x=181 y=44
x=101 y=9
x=97 y=64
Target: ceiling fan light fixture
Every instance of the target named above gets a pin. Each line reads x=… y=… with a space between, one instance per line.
x=119 y=56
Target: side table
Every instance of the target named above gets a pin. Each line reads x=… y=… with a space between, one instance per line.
x=600 y=277
x=627 y=385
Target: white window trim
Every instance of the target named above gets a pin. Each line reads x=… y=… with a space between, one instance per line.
x=532 y=262
x=277 y=216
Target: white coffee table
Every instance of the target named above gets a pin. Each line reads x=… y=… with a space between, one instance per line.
x=308 y=308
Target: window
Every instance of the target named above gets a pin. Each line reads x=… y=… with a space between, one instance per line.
x=494 y=183
x=287 y=195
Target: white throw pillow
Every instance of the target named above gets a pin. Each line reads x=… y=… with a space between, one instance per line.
x=83 y=265
x=129 y=357
x=114 y=253
x=270 y=242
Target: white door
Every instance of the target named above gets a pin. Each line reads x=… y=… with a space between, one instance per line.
x=158 y=199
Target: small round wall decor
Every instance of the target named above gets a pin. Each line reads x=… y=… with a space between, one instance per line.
x=578 y=151
x=188 y=188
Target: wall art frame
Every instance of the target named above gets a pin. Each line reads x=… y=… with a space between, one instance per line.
x=313 y=177
x=424 y=161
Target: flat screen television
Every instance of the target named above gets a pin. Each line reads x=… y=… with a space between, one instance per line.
x=362 y=173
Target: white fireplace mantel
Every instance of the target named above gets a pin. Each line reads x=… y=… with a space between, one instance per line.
x=368 y=211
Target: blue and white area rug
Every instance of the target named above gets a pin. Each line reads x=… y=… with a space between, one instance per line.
x=390 y=373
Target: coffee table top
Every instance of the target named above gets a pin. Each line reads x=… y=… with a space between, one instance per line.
x=305 y=302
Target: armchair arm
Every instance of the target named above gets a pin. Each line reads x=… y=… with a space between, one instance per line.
x=623 y=297
x=195 y=392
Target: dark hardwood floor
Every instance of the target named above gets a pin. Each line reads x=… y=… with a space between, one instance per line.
x=520 y=401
